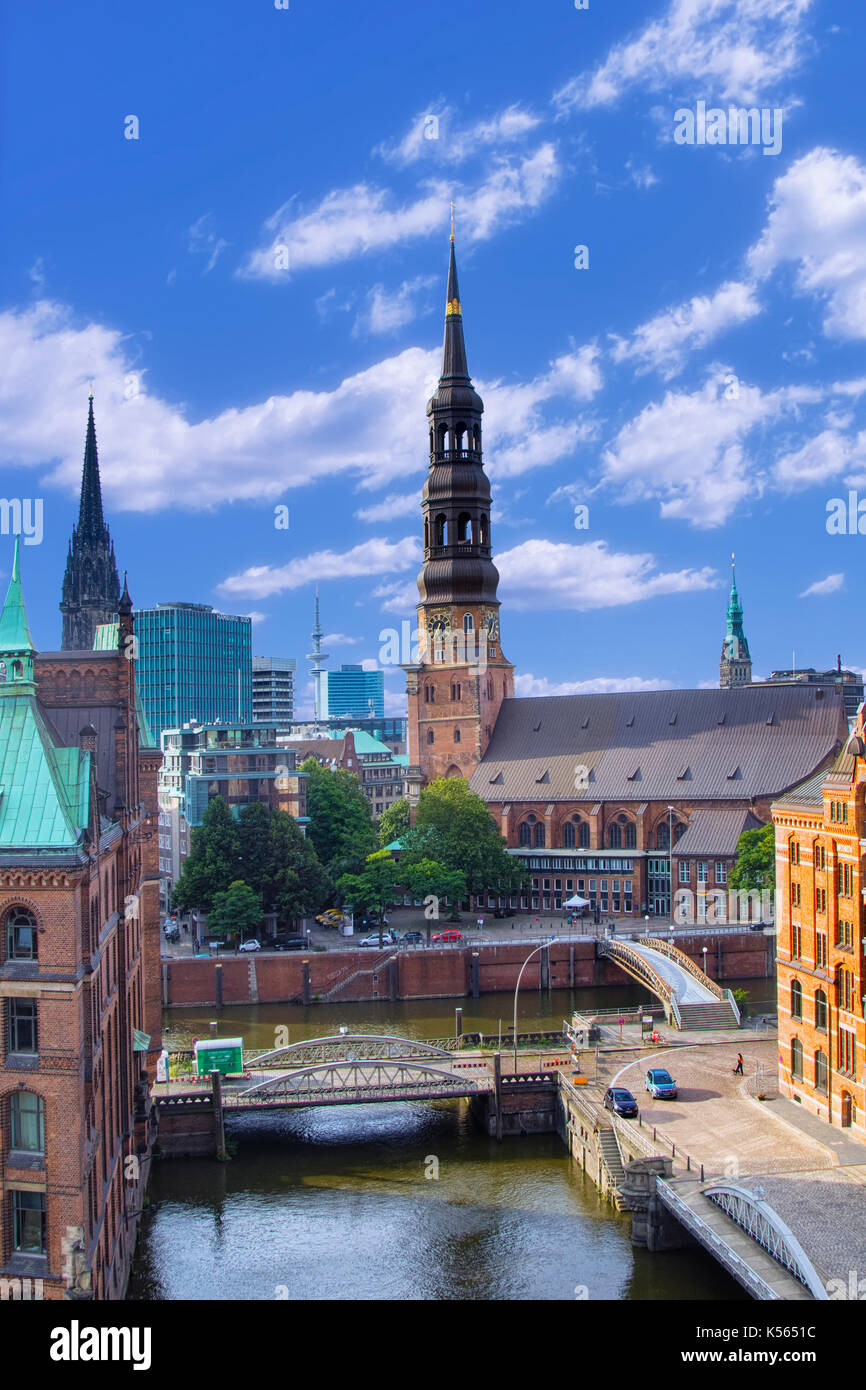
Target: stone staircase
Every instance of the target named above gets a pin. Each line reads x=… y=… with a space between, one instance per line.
x=612 y=1159
x=711 y=1015
x=379 y=962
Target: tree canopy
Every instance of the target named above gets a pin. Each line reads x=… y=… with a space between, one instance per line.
x=453 y=827
x=756 y=860
x=393 y=822
x=236 y=911
x=264 y=849
x=374 y=886
x=341 y=826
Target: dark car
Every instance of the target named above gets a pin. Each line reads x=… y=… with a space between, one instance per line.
x=286 y=942
x=412 y=937
x=621 y=1102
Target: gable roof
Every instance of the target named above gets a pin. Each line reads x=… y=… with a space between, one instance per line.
x=738 y=744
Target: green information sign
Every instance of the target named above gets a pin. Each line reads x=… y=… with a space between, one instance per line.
x=225 y=1055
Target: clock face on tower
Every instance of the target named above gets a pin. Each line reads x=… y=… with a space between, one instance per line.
x=439 y=621
x=491 y=622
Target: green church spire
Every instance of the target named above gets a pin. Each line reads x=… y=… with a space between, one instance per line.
x=735 y=667
x=16 y=644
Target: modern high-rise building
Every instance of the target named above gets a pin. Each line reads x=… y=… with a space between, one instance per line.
x=91 y=588
x=193 y=664
x=353 y=691
x=274 y=691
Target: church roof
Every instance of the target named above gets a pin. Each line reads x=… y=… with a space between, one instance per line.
x=44 y=785
x=693 y=745
x=715 y=830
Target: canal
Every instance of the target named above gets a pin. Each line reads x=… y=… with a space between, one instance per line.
x=406 y=1201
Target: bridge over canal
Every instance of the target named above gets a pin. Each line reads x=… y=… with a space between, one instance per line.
x=690 y=997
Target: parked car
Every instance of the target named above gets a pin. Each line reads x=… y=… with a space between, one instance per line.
x=412 y=938
x=661 y=1084
x=372 y=940
x=251 y=945
x=620 y=1101
x=286 y=942
x=448 y=936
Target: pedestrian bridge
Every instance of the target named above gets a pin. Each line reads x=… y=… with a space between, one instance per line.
x=690 y=997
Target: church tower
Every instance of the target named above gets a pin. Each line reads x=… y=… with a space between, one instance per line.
x=91 y=588
x=461 y=678
x=735 y=667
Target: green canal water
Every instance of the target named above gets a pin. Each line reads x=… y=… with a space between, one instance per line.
x=406 y=1201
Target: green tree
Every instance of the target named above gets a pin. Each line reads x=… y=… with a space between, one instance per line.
x=756 y=860
x=341 y=826
x=393 y=822
x=295 y=885
x=374 y=886
x=429 y=879
x=237 y=911
x=213 y=861
x=454 y=827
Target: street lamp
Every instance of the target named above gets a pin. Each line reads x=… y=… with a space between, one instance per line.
x=704 y=949
x=542 y=947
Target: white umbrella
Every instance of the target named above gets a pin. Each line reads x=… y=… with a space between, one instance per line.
x=576 y=902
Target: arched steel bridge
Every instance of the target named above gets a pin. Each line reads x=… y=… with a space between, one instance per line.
x=352 y=1082
x=690 y=997
x=352 y=1047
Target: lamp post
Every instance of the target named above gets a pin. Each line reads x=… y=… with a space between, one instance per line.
x=704 y=949
x=671 y=860
x=533 y=952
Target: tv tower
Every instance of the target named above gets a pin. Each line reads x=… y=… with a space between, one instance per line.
x=317 y=671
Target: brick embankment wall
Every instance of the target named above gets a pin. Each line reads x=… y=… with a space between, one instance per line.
x=357 y=976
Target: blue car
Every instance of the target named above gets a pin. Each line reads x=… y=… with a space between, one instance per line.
x=661 y=1084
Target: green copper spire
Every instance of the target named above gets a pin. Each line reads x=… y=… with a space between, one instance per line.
x=15 y=639
x=735 y=668
x=735 y=613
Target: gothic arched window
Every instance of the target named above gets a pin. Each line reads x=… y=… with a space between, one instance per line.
x=614 y=837
x=464 y=529
x=568 y=836
x=456 y=735
x=21 y=934
x=583 y=837
x=468 y=622
x=441 y=529
x=524 y=834
x=429 y=735
x=631 y=835
x=538 y=836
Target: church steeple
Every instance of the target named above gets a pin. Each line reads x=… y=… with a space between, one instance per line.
x=456 y=498
x=462 y=676
x=16 y=645
x=91 y=588
x=735 y=667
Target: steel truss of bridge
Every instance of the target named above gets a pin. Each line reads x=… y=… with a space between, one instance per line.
x=352 y=1082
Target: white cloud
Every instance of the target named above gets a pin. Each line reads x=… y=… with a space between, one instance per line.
x=526 y=685
x=202 y=240
x=339 y=639
x=349 y=222
x=728 y=49
x=818 y=222
x=663 y=342
x=386 y=311
x=821 y=457
x=391 y=507
x=401 y=598
x=371 y=557
x=436 y=134
x=689 y=450
x=255 y=617
x=830 y=585
x=541 y=574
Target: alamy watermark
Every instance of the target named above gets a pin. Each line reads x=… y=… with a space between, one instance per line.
x=412 y=646
x=22 y=516
x=735 y=126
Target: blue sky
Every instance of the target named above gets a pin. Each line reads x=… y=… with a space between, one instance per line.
x=700 y=387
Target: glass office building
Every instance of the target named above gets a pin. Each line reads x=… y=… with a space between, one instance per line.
x=193 y=664
x=353 y=691
x=274 y=691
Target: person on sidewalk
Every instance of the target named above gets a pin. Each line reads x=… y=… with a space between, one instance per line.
x=738 y=1069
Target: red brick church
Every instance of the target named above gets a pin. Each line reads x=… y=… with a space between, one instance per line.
x=605 y=796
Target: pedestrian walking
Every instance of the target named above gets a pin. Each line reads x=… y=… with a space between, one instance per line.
x=738 y=1069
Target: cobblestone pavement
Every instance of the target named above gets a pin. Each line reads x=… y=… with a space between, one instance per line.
x=825 y=1209
x=714 y=1120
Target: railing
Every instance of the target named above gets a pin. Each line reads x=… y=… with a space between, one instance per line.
x=707 y=1237
x=726 y=994
x=637 y=965
x=767 y=1228
x=680 y=958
